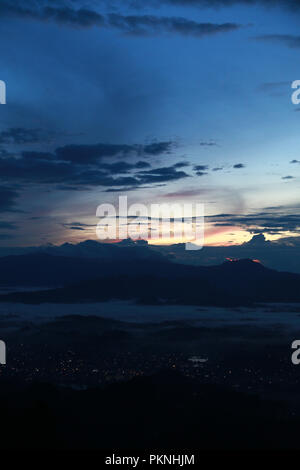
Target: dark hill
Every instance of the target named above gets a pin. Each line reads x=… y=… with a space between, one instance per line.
x=155 y=280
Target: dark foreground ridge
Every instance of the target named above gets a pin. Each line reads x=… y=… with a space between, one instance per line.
x=166 y=410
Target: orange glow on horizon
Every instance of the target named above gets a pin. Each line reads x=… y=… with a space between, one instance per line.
x=214 y=236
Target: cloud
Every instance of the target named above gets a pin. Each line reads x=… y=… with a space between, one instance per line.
x=183 y=194
x=75 y=166
x=239 y=165
x=287 y=177
x=295 y=161
x=134 y=25
x=7 y=226
x=181 y=164
x=76 y=228
x=80 y=18
x=201 y=170
x=8 y=198
x=133 y=188
x=201 y=167
x=271 y=220
x=34 y=170
x=149 y=25
x=210 y=143
x=156 y=148
x=6 y=236
x=93 y=153
x=162 y=174
x=78 y=225
x=124 y=167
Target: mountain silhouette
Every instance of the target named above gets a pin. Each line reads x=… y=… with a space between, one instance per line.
x=152 y=279
x=282 y=255
x=56 y=266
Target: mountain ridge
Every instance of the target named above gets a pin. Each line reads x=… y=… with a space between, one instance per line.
x=151 y=280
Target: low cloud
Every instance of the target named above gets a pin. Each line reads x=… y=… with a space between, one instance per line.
x=238 y=166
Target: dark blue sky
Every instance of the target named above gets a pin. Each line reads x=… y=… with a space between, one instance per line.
x=106 y=98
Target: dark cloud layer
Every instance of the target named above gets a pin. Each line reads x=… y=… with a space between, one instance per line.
x=43 y=12
x=93 y=153
x=8 y=198
x=273 y=221
x=7 y=226
x=134 y=25
x=148 y=25
x=74 y=166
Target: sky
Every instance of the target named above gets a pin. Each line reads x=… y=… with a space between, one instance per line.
x=185 y=101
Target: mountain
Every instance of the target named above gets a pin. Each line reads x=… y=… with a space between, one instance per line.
x=282 y=255
x=151 y=281
x=49 y=271
x=87 y=249
x=65 y=264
